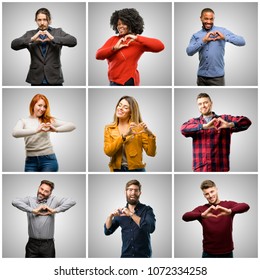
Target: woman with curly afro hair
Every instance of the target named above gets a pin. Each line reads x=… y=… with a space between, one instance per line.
x=124 y=50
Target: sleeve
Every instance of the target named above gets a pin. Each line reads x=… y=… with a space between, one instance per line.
x=64 y=204
x=113 y=228
x=195 y=45
x=241 y=123
x=22 y=42
x=193 y=215
x=22 y=204
x=233 y=39
x=62 y=126
x=107 y=49
x=20 y=131
x=150 y=44
x=64 y=39
x=147 y=222
x=149 y=144
x=238 y=208
x=111 y=144
x=191 y=127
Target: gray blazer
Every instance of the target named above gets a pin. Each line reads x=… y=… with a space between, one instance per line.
x=50 y=64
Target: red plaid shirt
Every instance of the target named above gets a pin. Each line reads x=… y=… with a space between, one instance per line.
x=211 y=148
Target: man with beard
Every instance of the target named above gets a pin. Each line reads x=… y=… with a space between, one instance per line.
x=44 y=45
x=137 y=221
x=41 y=211
x=210 y=43
x=211 y=135
x=216 y=218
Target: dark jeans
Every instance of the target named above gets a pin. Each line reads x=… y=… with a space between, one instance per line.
x=227 y=255
x=125 y=169
x=130 y=82
x=205 y=81
x=40 y=248
x=46 y=163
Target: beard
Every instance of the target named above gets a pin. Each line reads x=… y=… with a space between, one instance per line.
x=132 y=200
x=41 y=196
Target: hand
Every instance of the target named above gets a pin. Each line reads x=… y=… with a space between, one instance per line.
x=43 y=210
x=46 y=127
x=216 y=212
x=218 y=124
x=124 y=41
x=213 y=36
x=36 y=37
x=118 y=212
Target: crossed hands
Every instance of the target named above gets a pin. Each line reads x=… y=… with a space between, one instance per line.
x=213 y=36
x=36 y=37
x=46 y=127
x=43 y=210
x=124 y=41
x=216 y=212
x=218 y=124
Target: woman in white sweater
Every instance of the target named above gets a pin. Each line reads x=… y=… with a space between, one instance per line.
x=36 y=130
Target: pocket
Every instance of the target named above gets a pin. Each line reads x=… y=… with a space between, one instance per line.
x=132 y=153
x=50 y=157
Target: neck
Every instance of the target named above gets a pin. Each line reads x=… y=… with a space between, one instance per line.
x=131 y=207
x=123 y=122
x=208 y=115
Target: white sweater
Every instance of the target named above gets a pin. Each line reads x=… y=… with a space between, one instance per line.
x=38 y=144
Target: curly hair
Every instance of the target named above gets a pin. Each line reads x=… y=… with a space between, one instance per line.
x=129 y=17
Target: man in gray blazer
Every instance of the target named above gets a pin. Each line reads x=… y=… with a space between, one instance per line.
x=44 y=44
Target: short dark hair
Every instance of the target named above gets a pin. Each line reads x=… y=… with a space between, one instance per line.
x=45 y=12
x=133 y=182
x=129 y=17
x=49 y=183
x=207 y=184
x=207 y=10
x=203 y=95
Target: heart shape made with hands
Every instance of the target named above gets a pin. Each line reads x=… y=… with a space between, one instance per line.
x=121 y=211
x=45 y=211
x=217 y=123
x=138 y=129
x=42 y=33
x=214 y=36
x=216 y=212
x=46 y=127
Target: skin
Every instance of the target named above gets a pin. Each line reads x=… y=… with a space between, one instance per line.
x=207 y=20
x=205 y=108
x=126 y=37
x=44 y=191
x=125 y=127
x=132 y=197
x=211 y=194
x=38 y=111
x=43 y=24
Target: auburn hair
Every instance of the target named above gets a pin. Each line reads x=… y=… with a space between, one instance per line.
x=46 y=117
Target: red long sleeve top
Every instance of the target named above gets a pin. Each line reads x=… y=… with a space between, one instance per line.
x=211 y=148
x=217 y=232
x=122 y=63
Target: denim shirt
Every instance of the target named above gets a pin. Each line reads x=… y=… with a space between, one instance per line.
x=136 y=239
x=211 y=54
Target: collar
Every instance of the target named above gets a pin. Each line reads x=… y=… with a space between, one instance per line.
x=49 y=28
x=207 y=30
x=137 y=206
x=214 y=115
